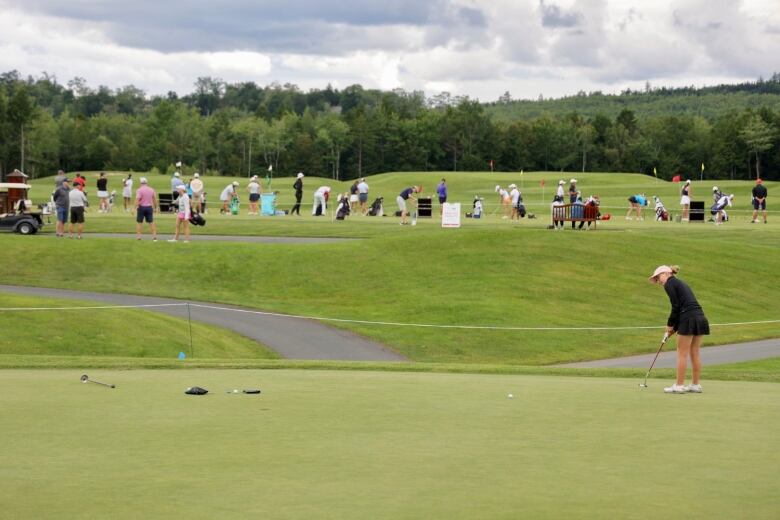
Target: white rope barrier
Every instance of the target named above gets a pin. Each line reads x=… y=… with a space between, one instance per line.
x=464 y=327
x=380 y=323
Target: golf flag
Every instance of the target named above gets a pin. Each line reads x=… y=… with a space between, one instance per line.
x=270 y=167
x=676 y=178
x=702 y=166
x=521 y=172
x=542 y=183
x=268 y=175
x=655 y=172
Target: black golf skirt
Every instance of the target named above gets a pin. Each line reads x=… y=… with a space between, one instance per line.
x=695 y=324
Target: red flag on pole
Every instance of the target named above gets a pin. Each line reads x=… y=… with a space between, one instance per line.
x=676 y=178
x=542 y=183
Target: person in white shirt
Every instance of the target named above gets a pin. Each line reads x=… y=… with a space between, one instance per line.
x=719 y=208
x=505 y=200
x=363 y=195
x=196 y=185
x=127 y=191
x=559 y=193
x=514 y=194
x=183 y=215
x=77 y=201
x=255 y=190
x=321 y=199
x=175 y=183
x=227 y=195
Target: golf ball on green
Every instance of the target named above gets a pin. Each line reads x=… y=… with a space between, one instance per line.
x=509 y=396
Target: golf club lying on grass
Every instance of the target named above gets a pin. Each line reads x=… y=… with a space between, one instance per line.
x=663 y=342
x=85 y=379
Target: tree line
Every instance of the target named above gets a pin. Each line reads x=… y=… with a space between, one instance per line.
x=243 y=128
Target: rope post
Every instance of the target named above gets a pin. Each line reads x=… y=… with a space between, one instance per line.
x=189 y=322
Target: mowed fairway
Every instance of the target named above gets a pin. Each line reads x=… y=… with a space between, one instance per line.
x=382 y=445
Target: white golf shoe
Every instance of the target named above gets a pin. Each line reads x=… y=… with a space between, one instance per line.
x=675 y=389
x=693 y=389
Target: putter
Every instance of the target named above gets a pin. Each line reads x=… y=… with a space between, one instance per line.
x=663 y=342
x=85 y=379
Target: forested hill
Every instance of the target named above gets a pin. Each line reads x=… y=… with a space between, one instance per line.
x=708 y=102
x=244 y=128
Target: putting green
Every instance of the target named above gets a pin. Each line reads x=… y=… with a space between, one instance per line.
x=334 y=444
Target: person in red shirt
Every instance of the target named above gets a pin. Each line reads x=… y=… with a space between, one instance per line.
x=80 y=181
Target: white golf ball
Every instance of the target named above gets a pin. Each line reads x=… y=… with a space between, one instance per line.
x=510 y=396
x=235 y=391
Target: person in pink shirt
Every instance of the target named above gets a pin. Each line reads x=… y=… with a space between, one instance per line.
x=145 y=207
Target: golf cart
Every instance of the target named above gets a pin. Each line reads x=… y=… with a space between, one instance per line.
x=16 y=209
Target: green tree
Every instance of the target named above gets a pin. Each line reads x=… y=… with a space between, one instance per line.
x=758 y=136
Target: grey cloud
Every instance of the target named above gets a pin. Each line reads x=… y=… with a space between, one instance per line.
x=473 y=17
x=269 y=26
x=554 y=16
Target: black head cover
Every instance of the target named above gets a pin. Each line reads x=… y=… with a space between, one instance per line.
x=196 y=390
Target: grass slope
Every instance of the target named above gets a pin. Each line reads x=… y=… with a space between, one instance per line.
x=382 y=445
x=495 y=276
x=128 y=333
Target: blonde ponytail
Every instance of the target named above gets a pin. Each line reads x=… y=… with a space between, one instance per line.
x=675 y=269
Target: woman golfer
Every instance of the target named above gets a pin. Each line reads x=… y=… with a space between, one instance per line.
x=688 y=321
x=685 y=200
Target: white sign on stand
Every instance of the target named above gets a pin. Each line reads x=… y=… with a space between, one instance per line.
x=450 y=215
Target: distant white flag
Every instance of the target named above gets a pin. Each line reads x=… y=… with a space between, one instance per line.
x=178 y=164
x=270 y=167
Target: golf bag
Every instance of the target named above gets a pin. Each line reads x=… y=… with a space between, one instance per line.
x=196 y=219
x=234 y=206
x=520 y=206
x=661 y=215
x=343 y=208
x=376 y=209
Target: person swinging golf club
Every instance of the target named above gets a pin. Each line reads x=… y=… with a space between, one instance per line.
x=687 y=320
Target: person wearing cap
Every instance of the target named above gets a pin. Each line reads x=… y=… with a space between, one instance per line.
x=685 y=200
x=636 y=201
x=197 y=187
x=183 y=215
x=254 y=190
x=62 y=203
x=759 y=200
x=227 y=196
x=559 y=192
x=505 y=200
x=320 y=201
x=77 y=200
x=145 y=207
x=298 y=187
x=688 y=321
x=175 y=183
x=441 y=192
x=363 y=195
x=716 y=194
x=719 y=208
x=405 y=195
x=127 y=190
x=516 y=198
x=573 y=191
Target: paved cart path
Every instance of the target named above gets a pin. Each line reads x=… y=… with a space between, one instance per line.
x=292 y=338
x=719 y=355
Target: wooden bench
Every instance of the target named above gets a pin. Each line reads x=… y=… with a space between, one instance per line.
x=576 y=213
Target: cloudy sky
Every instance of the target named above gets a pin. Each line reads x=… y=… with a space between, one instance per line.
x=479 y=48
